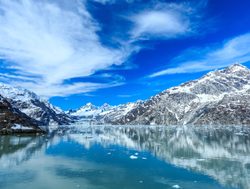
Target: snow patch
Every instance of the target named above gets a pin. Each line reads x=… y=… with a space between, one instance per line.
x=18 y=127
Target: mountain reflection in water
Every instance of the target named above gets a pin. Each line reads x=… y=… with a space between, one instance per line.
x=221 y=153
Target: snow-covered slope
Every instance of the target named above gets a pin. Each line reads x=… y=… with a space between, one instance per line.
x=33 y=106
x=118 y=112
x=219 y=97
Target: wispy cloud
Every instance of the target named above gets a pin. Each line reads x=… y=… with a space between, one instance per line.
x=112 y=1
x=232 y=51
x=104 y=1
x=163 y=20
x=46 y=43
x=53 y=41
x=66 y=89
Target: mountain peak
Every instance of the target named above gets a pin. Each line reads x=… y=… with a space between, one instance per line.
x=87 y=107
x=105 y=104
x=89 y=104
x=237 y=67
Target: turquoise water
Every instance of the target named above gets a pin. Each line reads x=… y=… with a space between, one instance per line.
x=105 y=157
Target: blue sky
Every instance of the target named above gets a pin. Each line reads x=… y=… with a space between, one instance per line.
x=116 y=51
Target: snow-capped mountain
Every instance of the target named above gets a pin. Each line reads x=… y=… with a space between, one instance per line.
x=33 y=106
x=118 y=112
x=105 y=113
x=219 y=97
x=87 y=111
x=90 y=111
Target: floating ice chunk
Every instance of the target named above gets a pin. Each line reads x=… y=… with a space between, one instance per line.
x=144 y=158
x=136 y=153
x=133 y=157
x=176 y=186
x=109 y=153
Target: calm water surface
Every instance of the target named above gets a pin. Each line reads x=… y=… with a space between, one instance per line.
x=105 y=157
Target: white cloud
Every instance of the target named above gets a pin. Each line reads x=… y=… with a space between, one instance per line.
x=232 y=51
x=18 y=77
x=46 y=43
x=162 y=21
x=67 y=89
x=112 y=1
x=104 y=1
x=52 y=41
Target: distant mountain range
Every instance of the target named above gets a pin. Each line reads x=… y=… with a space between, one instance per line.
x=220 y=97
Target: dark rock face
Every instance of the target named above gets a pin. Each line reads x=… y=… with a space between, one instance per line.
x=14 y=121
x=231 y=109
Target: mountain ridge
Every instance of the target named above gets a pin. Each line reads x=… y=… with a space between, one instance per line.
x=224 y=91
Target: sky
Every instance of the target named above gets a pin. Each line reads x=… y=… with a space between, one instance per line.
x=116 y=51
